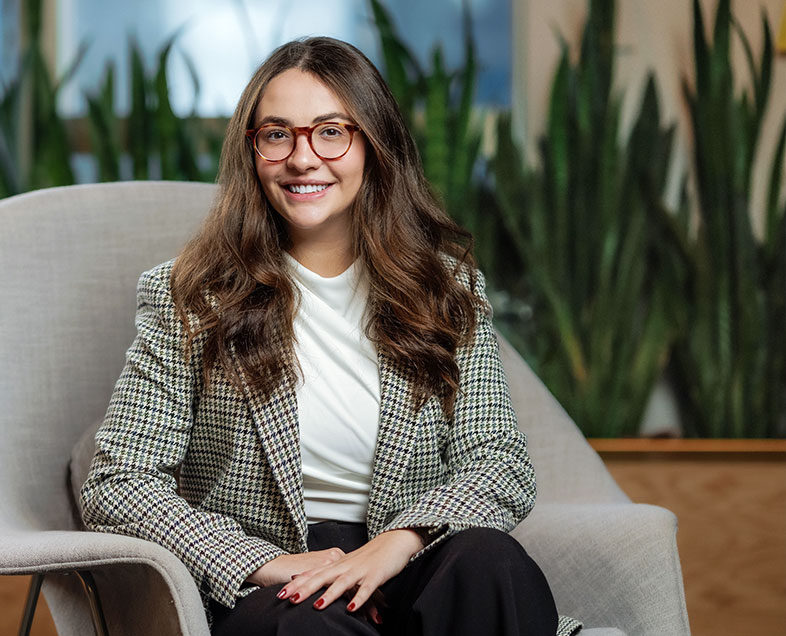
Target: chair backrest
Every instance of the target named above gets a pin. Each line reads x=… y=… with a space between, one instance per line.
x=566 y=467
x=69 y=261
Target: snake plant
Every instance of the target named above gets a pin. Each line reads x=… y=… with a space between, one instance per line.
x=35 y=149
x=437 y=104
x=586 y=270
x=730 y=359
x=160 y=143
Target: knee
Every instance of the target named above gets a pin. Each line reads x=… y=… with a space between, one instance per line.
x=491 y=557
x=487 y=544
x=483 y=552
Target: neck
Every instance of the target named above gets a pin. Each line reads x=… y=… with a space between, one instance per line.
x=325 y=260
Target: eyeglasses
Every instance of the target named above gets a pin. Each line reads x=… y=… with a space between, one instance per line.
x=328 y=140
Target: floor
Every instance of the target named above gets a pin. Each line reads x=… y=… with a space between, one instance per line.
x=13 y=592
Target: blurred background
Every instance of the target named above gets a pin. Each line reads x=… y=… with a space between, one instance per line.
x=622 y=171
x=620 y=163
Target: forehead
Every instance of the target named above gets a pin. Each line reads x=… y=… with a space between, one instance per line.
x=299 y=97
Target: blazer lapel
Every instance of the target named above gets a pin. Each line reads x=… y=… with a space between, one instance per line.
x=398 y=431
x=276 y=421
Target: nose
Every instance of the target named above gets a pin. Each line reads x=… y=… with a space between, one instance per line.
x=303 y=158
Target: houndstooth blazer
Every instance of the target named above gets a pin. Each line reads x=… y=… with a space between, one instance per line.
x=238 y=500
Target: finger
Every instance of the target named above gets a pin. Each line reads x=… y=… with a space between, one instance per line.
x=373 y=613
x=290 y=590
x=294 y=587
x=309 y=583
x=362 y=595
x=372 y=606
x=341 y=585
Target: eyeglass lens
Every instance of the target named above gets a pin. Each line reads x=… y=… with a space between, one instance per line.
x=328 y=140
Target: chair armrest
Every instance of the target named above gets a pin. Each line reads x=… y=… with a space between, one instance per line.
x=130 y=574
x=610 y=564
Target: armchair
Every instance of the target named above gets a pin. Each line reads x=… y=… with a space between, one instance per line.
x=69 y=261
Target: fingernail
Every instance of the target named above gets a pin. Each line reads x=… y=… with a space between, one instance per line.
x=351 y=607
x=377 y=619
x=295 y=597
x=319 y=603
x=282 y=593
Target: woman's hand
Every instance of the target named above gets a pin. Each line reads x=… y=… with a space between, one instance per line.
x=287 y=566
x=362 y=571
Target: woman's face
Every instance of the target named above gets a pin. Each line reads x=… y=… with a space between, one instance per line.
x=322 y=210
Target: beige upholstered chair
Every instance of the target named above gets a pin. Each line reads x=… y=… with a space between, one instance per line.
x=69 y=262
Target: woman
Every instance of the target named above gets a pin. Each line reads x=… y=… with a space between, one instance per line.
x=320 y=367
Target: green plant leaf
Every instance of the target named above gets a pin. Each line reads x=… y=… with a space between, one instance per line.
x=774 y=190
x=140 y=116
x=701 y=55
x=437 y=153
x=10 y=178
x=401 y=68
x=765 y=75
x=465 y=143
x=103 y=127
x=165 y=120
x=49 y=143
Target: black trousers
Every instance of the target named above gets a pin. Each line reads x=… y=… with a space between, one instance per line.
x=479 y=582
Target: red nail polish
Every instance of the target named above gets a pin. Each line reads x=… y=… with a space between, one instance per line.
x=295 y=598
x=282 y=593
x=377 y=619
x=351 y=607
x=319 y=603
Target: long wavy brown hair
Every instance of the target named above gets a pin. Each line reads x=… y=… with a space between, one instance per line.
x=233 y=279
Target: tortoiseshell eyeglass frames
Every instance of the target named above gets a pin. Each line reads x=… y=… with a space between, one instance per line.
x=329 y=140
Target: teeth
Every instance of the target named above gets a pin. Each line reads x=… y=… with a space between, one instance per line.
x=305 y=189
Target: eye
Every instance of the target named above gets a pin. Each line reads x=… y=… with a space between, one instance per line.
x=331 y=132
x=275 y=135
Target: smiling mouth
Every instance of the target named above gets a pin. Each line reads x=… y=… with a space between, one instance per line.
x=305 y=189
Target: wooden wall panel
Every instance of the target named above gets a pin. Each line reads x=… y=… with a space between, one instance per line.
x=731 y=509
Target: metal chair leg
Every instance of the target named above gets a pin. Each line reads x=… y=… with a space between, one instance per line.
x=88 y=582
x=32 y=600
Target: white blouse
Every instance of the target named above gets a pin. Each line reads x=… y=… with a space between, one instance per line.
x=338 y=395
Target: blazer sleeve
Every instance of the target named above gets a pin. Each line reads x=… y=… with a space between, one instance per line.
x=131 y=488
x=490 y=479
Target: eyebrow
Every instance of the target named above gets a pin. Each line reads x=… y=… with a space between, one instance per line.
x=283 y=121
